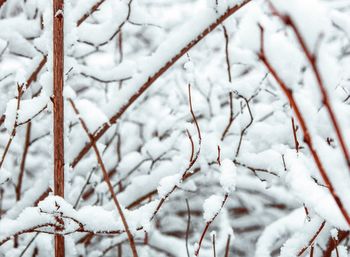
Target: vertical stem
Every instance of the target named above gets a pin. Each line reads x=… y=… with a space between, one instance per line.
x=58 y=119
x=23 y=162
x=227 y=249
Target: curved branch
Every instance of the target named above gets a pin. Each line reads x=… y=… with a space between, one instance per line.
x=155 y=76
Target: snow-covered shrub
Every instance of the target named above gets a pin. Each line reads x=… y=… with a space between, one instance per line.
x=191 y=128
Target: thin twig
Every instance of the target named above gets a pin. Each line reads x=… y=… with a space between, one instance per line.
x=246 y=127
x=191 y=162
x=207 y=225
x=15 y=124
x=107 y=180
x=296 y=142
x=93 y=9
x=192 y=144
x=84 y=187
x=214 y=248
x=312 y=240
x=23 y=162
x=311 y=57
x=230 y=80
x=154 y=77
x=227 y=249
x=28 y=245
x=307 y=137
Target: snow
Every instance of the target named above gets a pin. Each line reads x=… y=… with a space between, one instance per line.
x=334 y=233
x=27 y=111
x=5 y=176
x=228 y=175
x=168 y=50
x=278 y=229
x=248 y=35
x=342 y=21
x=311 y=17
x=123 y=71
x=139 y=69
x=91 y=114
x=287 y=60
x=305 y=188
x=212 y=207
x=33 y=193
x=166 y=184
x=302 y=237
x=104 y=31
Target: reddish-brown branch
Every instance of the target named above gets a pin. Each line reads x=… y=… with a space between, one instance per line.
x=307 y=213
x=227 y=249
x=218 y=159
x=154 y=192
x=332 y=244
x=58 y=110
x=25 y=231
x=208 y=224
x=43 y=61
x=107 y=180
x=312 y=240
x=15 y=124
x=311 y=57
x=307 y=138
x=2 y=119
x=23 y=161
x=193 y=159
x=2 y=2
x=92 y=10
x=35 y=73
x=154 y=77
x=42 y=196
x=192 y=144
x=312 y=251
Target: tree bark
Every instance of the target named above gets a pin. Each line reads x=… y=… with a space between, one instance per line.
x=58 y=110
